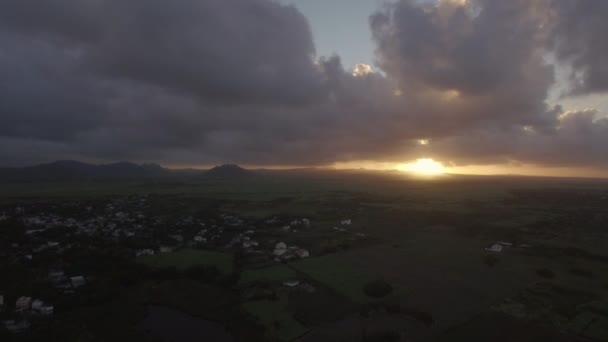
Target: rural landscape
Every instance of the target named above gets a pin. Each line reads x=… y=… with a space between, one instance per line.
x=300 y=255
x=304 y=170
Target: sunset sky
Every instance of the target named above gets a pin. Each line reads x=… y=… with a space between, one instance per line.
x=478 y=86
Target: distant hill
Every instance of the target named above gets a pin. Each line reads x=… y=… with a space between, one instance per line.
x=228 y=171
x=70 y=170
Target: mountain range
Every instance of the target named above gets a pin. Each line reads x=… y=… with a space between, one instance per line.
x=70 y=170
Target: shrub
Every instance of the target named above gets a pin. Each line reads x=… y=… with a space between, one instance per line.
x=581 y=272
x=377 y=288
x=383 y=336
x=545 y=273
x=490 y=260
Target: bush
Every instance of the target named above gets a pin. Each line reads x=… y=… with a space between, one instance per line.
x=581 y=272
x=545 y=273
x=377 y=288
x=203 y=273
x=490 y=260
x=383 y=336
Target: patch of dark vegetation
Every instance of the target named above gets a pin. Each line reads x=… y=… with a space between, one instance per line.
x=382 y=336
x=545 y=273
x=598 y=307
x=559 y=299
x=331 y=246
x=490 y=260
x=573 y=252
x=281 y=200
x=421 y=316
x=321 y=306
x=203 y=273
x=377 y=288
x=579 y=272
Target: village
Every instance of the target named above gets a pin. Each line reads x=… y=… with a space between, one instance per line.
x=43 y=240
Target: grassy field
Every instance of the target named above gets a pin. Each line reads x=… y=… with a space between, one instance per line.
x=275 y=317
x=339 y=274
x=272 y=274
x=266 y=187
x=186 y=258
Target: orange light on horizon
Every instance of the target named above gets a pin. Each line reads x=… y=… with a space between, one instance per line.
x=425 y=166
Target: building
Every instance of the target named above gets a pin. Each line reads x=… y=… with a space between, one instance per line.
x=23 y=304
x=78 y=281
x=56 y=277
x=47 y=310
x=291 y=283
x=280 y=249
x=302 y=253
x=37 y=305
x=164 y=249
x=496 y=248
x=16 y=327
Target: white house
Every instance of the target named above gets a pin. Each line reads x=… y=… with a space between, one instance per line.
x=14 y=327
x=280 y=249
x=165 y=249
x=23 y=303
x=250 y=243
x=78 y=281
x=302 y=253
x=144 y=252
x=37 y=305
x=47 y=310
x=496 y=248
x=291 y=283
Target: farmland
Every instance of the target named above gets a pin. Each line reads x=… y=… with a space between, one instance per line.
x=315 y=257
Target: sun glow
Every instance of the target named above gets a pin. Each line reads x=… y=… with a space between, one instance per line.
x=424 y=166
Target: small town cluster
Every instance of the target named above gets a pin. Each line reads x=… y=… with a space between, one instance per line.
x=45 y=237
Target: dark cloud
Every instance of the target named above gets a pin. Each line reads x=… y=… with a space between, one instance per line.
x=488 y=53
x=579 y=40
x=237 y=50
x=211 y=81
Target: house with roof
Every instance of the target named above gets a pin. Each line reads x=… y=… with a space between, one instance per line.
x=23 y=304
x=78 y=281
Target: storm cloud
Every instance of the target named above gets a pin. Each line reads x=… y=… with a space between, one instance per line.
x=211 y=81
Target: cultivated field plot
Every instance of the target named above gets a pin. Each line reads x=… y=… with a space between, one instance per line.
x=187 y=258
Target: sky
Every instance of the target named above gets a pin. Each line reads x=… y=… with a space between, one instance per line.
x=480 y=86
x=341 y=27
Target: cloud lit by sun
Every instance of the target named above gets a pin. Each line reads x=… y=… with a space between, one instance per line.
x=425 y=166
x=362 y=70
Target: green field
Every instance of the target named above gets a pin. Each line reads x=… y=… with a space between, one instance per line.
x=275 y=317
x=186 y=258
x=338 y=274
x=272 y=274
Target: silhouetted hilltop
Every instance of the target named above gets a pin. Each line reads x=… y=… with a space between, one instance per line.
x=228 y=171
x=71 y=170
